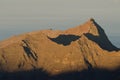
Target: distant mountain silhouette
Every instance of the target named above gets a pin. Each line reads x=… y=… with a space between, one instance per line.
x=80 y=53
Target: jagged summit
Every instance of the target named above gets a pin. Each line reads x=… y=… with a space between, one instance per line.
x=92 y=19
x=89 y=26
x=98 y=35
x=83 y=50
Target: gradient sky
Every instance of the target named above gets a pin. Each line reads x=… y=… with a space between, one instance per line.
x=19 y=16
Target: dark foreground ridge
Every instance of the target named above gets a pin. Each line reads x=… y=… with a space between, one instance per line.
x=39 y=74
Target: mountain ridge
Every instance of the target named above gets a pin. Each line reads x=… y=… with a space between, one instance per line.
x=85 y=47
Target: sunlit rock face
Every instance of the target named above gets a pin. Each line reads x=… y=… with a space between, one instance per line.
x=79 y=53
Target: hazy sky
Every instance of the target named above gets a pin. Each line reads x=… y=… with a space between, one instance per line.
x=19 y=16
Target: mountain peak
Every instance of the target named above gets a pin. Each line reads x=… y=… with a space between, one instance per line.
x=88 y=27
x=94 y=32
x=92 y=19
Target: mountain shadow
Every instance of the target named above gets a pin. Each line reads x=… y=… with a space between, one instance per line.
x=64 y=39
x=39 y=74
x=102 y=40
x=30 y=53
x=36 y=74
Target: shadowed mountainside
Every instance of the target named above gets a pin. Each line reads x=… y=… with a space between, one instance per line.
x=102 y=39
x=65 y=39
x=80 y=53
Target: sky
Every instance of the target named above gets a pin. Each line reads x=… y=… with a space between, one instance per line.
x=20 y=16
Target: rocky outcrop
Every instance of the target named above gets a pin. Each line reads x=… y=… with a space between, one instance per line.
x=56 y=55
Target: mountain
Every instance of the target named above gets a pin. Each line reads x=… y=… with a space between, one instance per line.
x=80 y=53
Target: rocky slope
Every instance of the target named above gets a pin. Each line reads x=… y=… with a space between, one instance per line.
x=83 y=52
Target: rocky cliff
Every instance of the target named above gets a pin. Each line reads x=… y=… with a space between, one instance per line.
x=80 y=53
